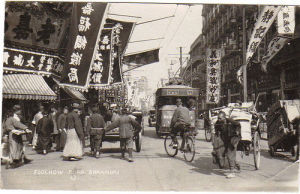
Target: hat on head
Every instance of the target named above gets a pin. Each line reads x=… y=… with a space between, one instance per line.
x=16 y=107
x=75 y=105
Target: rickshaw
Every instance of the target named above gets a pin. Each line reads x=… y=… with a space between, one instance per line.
x=166 y=105
x=282 y=129
x=114 y=135
x=249 y=119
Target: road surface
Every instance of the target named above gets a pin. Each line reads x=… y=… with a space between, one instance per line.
x=152 y=170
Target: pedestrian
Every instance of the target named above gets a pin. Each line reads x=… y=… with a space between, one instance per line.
x=62 y=133
x=95 y=128
x=226 y=139
x=35 y=121
x=73 y=149
x=15 y=129
x=53 y=116
x=44 y=130
x=128 y=127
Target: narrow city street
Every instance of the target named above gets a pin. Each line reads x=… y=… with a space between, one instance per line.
x=152 y=170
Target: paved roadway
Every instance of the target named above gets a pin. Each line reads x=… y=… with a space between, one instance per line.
x=152 y=170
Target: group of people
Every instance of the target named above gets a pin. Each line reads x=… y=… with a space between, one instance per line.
x=68 y=130
x=225 y=141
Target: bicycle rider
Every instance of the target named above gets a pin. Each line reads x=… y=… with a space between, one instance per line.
x=179 y=122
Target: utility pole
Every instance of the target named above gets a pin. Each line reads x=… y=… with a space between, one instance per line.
x=180 y=60
x=244 y=56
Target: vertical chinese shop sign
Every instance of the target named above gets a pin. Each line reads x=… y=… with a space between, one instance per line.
x=85 y=25
x=265 y=20
x=213 y=76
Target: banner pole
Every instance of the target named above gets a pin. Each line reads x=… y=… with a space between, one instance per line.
x=244 y=56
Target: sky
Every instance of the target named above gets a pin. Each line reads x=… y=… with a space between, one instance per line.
x=177 y=31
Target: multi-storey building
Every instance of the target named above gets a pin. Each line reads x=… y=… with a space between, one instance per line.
x=222 y=29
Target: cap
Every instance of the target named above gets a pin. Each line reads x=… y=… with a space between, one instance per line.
x=16 y=107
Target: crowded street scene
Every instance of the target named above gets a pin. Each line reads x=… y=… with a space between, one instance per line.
x=105 y=96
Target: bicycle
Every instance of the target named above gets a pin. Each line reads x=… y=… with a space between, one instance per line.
x=188 y=148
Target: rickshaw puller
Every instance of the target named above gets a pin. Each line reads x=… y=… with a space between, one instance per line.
x=179 y=122
x=229 y=132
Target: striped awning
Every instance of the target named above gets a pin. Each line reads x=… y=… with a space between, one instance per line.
x=75 y=94
x=26 y=87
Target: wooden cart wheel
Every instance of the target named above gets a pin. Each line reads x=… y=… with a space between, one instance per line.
x=256 y=150
x=208 y=136
x=138 y=142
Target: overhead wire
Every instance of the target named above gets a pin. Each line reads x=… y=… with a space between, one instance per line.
x=178 y=26
x=170 y=21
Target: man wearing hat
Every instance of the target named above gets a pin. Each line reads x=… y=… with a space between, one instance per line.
x=180 y=118
x=95 y=128
x=127 y=127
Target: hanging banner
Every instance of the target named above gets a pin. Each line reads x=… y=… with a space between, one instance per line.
x=31 y=62
x=275 y=45
x=85 y=27
x=142 y=58
x=265 y=20
x=213 y=76
x=106 y=68
x=286 y=20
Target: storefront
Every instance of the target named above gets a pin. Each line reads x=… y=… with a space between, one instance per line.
x=28 y=90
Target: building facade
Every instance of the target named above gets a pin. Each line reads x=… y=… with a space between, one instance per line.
x=222 y=29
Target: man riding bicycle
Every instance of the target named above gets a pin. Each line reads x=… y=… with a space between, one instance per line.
x=179 y=122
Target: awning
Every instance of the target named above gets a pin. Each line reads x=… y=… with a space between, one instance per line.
x=26 y=87
x=74 y=93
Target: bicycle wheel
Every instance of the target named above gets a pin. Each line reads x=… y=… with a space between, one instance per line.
x=208 y=135
x=169 y=146
x=256 y=150
x=189 y=150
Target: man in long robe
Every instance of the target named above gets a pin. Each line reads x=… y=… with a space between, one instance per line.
x=61 y=125
x=44 y=130
x=15 y=129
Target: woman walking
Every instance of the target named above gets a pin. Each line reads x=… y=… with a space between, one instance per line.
x=73 y=149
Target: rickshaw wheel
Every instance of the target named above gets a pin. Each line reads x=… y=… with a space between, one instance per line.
x=208 y=135
x=138 y=142
x=169 y=146
x=256 y=150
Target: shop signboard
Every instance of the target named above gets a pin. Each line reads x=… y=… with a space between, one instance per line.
x=85 y=31
x=265 y=20
x=286 y=20
x=213 y=76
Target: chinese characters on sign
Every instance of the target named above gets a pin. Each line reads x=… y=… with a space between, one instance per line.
x=213 y=75
x=101 y=62
x=286 y=20
x=265 y=20
x=85 y=26
x=274 y=47
x=25 y=60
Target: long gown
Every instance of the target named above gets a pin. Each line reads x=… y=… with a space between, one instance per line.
x=16 y=151
x=44 y=130
x=74 y=147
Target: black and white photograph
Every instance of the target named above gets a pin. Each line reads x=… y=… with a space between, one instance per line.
x=150 y=96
